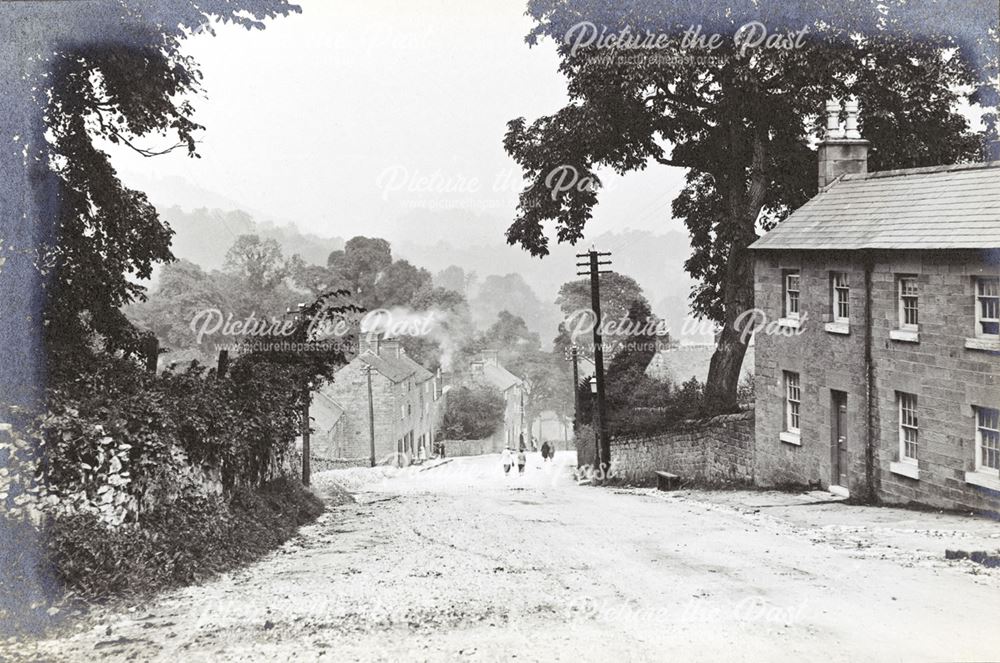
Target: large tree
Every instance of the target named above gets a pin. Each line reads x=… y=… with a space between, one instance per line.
x=512 y=293
x=619 y=293
x=183 y=292
x=400 y=283
x=360 y=265
x=741 y=120
x=259 y=263
x=79 y=241
x=455 y=278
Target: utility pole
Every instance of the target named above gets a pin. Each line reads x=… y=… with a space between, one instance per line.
x=306 y=451
x=593 y=265
x=574 y=353
x=306 y=398
x=371 y=412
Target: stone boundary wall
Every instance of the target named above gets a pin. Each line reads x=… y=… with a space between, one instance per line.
x=321 y=463
x=715 y=451
x=453 y=448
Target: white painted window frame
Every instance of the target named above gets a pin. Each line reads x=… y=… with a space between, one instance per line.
x=907 y=403
x=840 y=289
x=787 y=291
x=990 y=299
x=793 y=402
x=902 y=295
x=987 y=426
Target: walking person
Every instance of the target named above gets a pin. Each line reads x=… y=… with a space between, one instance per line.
x=507 y=459
x=522 y=460
x=546 y=450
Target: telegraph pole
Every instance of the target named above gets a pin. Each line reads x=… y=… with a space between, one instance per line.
x=306 y=451
x=371 y=412
x=574 y=354
x=593 y=265
x=306 y=398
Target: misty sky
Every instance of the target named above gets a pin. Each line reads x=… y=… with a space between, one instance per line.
x=328 y=118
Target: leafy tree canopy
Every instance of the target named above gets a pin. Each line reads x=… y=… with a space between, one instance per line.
x=113 y=73
x=473 y=413
x=741 y=121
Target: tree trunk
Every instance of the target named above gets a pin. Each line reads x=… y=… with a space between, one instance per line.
x=744 y=202
x=731 y=346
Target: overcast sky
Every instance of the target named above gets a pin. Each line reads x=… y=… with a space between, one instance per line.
x=328 y=118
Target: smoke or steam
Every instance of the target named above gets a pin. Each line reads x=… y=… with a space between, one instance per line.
x=443 y=327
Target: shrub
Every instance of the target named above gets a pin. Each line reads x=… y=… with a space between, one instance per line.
x=640 y=405
x=187 y=541
x=473 y=413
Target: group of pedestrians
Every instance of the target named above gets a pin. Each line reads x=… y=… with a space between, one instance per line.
x=508 y=457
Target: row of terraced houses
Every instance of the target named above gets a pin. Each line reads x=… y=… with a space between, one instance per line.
x=886 y=383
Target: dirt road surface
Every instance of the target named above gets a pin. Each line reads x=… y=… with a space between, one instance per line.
x=459 y=562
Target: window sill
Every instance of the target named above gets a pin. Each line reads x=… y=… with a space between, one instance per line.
x=790 y=438
x=838 y=327
x=904 y=335
x=983 y=479
x=987 y=344
x=905 y=469
x=791 y=323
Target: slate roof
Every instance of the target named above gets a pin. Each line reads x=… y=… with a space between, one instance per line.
x=500 y=377
x=396 y=369
x=420 y=374
x=945 y=207
x=391 y=367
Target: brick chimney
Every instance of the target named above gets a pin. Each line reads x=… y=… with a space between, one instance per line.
x=390 y=347
x=842 y=151
x=368 y=341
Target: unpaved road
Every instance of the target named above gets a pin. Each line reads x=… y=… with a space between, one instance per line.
x=459 y=562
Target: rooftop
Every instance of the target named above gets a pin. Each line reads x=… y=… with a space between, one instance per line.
x=944 y=207
x=395 y=369
x=499 y=377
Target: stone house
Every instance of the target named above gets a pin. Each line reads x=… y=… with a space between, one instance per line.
x=882 y=376
x=408 y=402
x=489 y=371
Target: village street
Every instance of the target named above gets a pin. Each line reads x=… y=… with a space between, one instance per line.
x=458 y=562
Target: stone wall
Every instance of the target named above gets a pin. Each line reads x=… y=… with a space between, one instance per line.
x=712 y=451
x=321 y=463
x=454 y=448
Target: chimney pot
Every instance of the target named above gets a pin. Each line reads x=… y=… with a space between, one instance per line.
x=841 y=153
x=851 y=106
x=369 y=341
x=833 y=119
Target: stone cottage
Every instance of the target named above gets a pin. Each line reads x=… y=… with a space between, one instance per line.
x=885 y=380
x=407 y=400
x=488 y=370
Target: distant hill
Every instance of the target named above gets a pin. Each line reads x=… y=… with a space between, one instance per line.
x=204 y=235
x=475 y=242
x=655 y=261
